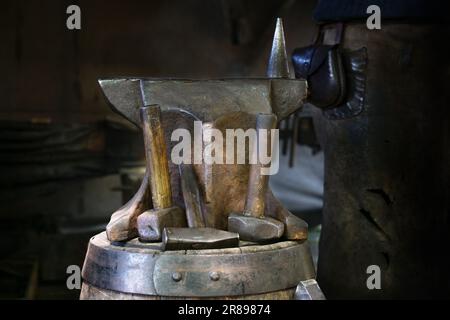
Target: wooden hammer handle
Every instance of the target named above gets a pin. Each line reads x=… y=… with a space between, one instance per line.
x=156 y=155
x=257 y=183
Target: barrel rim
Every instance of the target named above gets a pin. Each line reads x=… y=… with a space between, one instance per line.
x=198 y=273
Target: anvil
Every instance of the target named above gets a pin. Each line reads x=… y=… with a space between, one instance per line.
x=222 y=104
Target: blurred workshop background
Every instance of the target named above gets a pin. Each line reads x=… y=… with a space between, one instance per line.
x=67 y=161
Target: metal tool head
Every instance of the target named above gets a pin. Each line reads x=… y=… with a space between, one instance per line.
x=151 y=223
x=255 y=229
x=198 y=238
x=192 y=196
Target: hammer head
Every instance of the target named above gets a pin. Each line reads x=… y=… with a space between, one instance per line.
x=198 y=238
x=151 y=223
x=255 y=229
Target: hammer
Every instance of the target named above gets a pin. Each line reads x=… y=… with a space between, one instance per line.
x=252 y=224
x=164 y=214
x=197 y=236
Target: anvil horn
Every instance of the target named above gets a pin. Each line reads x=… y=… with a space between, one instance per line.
x=278 y=62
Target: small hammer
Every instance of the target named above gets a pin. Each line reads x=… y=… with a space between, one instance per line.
x=164 y=214
x=252 y=224
x=197 y=236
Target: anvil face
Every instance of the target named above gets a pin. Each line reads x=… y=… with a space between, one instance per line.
x=205 y=100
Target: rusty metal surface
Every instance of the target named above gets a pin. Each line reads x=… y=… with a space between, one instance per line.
x=142 y=269
x=198 y=238
x=151 y=223
x=252 y=224
x=355 y=61
x=255 y=229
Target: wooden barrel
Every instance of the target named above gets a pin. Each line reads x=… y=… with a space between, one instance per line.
x=135 y=270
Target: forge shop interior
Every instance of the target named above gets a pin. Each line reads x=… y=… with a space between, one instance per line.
x=282 y=149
